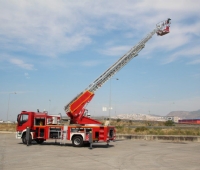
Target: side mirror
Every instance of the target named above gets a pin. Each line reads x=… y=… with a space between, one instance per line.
x=18 y=117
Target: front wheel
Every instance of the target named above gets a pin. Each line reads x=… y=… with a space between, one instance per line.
x=24 y=141
x=77 y=141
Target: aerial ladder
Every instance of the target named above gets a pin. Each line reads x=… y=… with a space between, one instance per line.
x=75 y=109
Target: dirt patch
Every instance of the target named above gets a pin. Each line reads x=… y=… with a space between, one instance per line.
x=11 y=127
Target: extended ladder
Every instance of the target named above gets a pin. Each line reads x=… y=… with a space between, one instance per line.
x=120 y=63
x=113 y=69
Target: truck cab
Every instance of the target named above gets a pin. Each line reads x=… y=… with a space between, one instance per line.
x=41 y=125
x=24 y=120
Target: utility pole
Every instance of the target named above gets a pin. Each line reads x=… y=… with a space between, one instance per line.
x=110 y=97
x=9 y=104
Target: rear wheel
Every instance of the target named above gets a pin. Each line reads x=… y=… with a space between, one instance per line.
x=77 y=141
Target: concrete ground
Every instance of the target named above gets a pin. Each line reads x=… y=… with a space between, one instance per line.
x=120 y=155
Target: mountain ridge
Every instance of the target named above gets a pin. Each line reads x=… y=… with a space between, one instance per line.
x=186 y=114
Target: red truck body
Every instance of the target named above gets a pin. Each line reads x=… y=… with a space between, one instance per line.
x=43 y=127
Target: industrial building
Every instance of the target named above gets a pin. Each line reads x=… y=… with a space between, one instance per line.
x=190 y=121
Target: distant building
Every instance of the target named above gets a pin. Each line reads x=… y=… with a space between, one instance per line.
x=172 y=118
x=190 y=121
x=8 y=121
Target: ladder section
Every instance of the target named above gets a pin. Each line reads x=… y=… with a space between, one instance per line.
x=116 y=67
x=120 y=63
x=113 y=69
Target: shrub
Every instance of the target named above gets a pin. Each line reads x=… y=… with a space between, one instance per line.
x=169 y=123
x=118 y=120
x=141 y=129
x=148 y=123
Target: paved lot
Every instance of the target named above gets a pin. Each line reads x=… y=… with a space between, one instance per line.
x=120 y=155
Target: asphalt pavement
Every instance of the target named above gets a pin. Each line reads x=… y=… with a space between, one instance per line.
x=119 y=155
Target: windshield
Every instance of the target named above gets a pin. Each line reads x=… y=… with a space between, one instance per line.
x=22 y=118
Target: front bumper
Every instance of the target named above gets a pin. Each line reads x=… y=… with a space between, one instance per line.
x=18 y=135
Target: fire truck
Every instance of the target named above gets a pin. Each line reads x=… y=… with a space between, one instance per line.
x=80 y=129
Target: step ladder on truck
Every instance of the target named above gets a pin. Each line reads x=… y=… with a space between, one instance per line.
x=40 y=126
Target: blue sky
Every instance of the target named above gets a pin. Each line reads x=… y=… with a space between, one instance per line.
x=52 y=50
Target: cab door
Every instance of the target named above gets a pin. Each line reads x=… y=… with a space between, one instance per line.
x=23 y=122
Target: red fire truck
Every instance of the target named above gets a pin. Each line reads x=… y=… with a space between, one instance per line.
x=43 y=126
x=39 y=126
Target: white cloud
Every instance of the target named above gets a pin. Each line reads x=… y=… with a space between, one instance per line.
x=27 y=75
x=44 y=28
x=182 y=41
x=21 y=64
x=90 y=63
x=195 y=62
x=189 y=52
x=52 y=27
x=115 y=50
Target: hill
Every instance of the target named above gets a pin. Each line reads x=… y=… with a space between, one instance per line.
x=186 y=114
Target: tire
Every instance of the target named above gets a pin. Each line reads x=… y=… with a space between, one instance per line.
x=24 y=141
x=39 y=141
x=77 y=141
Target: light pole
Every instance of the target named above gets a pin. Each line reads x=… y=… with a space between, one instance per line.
x=9 y=104
x=110 y=96
x=49 y=105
